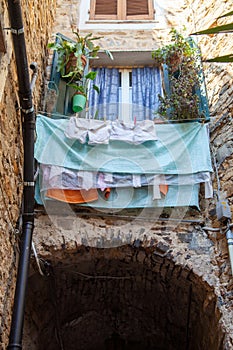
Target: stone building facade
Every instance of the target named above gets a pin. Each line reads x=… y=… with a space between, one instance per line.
x=141 y=281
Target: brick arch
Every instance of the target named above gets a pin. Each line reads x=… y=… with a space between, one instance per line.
x=120 y=298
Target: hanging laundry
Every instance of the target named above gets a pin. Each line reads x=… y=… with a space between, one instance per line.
x=108 y=177
x=163 y=189
x=174 y=153
x=107 y=192
x=143 y=197
x=88 y=130
x=156 y=192
x=99 y=132
x=136 y=180
x=121 y=131
x=134 y=133
x=53 y=176
x=144 y=131
x=156 y=189
x=88 y=179
x=72 y=196
x=181 y=153
x=77 y=128
x=209 y=193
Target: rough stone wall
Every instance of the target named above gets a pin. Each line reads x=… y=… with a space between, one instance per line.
x=38 y=19
x=11 y=190
x=136 y=290
x=68 y=15
x=184 y=244
x=219 y=80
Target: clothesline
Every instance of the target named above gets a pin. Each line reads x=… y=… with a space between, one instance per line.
x=158 y=119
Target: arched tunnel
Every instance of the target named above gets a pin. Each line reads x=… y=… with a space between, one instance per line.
x=120 y=298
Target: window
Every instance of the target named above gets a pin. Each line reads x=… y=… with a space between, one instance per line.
x=126 y=94
x=121 y=9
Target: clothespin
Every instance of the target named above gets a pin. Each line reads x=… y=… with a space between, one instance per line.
x=135 y=120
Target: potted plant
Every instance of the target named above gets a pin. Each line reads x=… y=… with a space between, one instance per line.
x=180 y=101
x=81 y=90
x=72 y=56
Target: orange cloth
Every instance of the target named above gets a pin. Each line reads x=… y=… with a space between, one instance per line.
x=73 y=196
x=107 y=192
x=163 y=189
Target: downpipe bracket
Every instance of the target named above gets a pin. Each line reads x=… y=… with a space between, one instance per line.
x=27 y=111
x=29 y=184
x=17 y=31
x=14 y=346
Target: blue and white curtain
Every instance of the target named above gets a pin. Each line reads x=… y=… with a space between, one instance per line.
x=105 y=104
x=146 y=85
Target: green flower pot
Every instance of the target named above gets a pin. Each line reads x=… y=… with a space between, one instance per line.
x=78 y=103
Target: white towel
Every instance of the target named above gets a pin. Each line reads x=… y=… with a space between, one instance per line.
x=99 y=132
x=77 y=129
x=121 y=131
x=209 y=189
x=144 y=131
x=136 y=181
x=88 y=179
x=156 y=189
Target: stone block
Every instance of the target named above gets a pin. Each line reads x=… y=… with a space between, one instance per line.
x=223 y=152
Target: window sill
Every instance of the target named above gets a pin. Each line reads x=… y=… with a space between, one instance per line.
x=117 y=21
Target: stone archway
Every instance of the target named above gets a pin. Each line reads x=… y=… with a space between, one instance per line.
x=120 y=298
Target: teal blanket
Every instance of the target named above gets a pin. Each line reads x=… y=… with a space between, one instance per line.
x=120 y=198
x=180 y=149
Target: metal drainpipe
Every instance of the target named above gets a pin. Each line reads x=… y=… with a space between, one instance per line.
x=229 y=237
x=28 y=118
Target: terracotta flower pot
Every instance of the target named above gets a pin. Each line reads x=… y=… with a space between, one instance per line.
x=71 y=64
x=175 y=61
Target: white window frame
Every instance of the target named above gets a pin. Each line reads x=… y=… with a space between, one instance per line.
x=121 y=12
x=125 y=96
